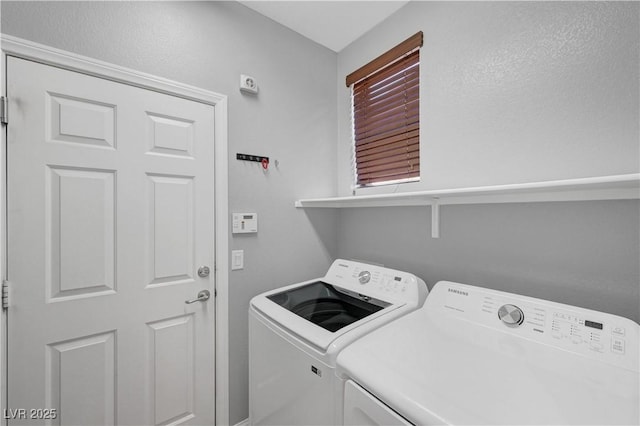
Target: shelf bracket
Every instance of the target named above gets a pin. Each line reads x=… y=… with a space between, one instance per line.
x=435 y=218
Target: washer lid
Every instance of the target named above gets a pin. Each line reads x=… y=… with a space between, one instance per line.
x=327 y=306
x=302 y=316
x=375 y=295
x=447 y=363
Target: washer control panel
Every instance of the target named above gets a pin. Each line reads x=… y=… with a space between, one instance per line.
x=364 y=277
x=511 y=315
x=377 y=281
x=598 y=335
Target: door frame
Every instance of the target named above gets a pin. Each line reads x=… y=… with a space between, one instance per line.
x=25 y=49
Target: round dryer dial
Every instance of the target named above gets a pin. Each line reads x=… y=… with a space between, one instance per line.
x=364 y=277
x=511 y=315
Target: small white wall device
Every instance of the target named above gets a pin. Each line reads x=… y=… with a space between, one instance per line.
x=248 y=84
x=244 y=223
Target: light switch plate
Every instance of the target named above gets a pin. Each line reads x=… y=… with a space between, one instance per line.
x=237 y=259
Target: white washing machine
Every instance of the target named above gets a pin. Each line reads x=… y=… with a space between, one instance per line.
x=478 y=356
x=296 y=332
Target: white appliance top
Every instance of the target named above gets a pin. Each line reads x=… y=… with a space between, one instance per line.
x=478 y=356
x=401 y=292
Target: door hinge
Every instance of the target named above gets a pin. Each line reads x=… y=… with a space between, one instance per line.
x=5 y=294
x=4 y=110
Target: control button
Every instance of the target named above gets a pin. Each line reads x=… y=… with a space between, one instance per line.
x=511 y=315
x=617 y=345
x=364 y=277
x=596 y=346
x=619 y=331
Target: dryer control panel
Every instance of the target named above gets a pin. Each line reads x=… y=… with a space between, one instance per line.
x=377 y=281
x=594 y=334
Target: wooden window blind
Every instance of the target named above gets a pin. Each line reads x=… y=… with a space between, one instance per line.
x=386 y=109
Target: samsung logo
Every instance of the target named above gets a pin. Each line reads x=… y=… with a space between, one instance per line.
x=456 y=291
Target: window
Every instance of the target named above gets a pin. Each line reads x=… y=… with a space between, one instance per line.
x=386 y=115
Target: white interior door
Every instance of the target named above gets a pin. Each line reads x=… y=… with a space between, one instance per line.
x=110 y=215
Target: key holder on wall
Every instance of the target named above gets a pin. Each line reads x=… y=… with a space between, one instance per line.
x=256 y=158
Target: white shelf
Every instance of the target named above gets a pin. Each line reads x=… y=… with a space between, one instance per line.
x=618 y=187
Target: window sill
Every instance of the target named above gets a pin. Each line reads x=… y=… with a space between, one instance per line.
x=617 y=187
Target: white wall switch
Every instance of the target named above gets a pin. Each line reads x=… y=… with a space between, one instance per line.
x=237 y=259
x=248 y=84
x=244 y=223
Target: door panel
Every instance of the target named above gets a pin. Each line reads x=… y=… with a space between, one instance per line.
x=80 y=231
x=171 y=229
x=110 y=213
x=170 y=136
x=89 y=360
x=80 y=121
x=173 y=387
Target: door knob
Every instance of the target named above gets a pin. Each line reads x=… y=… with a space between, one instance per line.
x=203 y=271
x=202 y=296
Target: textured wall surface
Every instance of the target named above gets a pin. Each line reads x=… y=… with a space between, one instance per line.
x=579 y=253
x=513 y=92
x=209 y=44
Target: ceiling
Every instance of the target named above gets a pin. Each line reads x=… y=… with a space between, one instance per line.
x=333 y=24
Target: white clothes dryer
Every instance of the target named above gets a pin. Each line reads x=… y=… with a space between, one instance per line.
x=477 y=356
x=296 y=332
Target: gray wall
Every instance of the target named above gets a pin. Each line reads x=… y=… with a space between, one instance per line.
x=579 y=253
x=208 y=44
x=513 y=92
